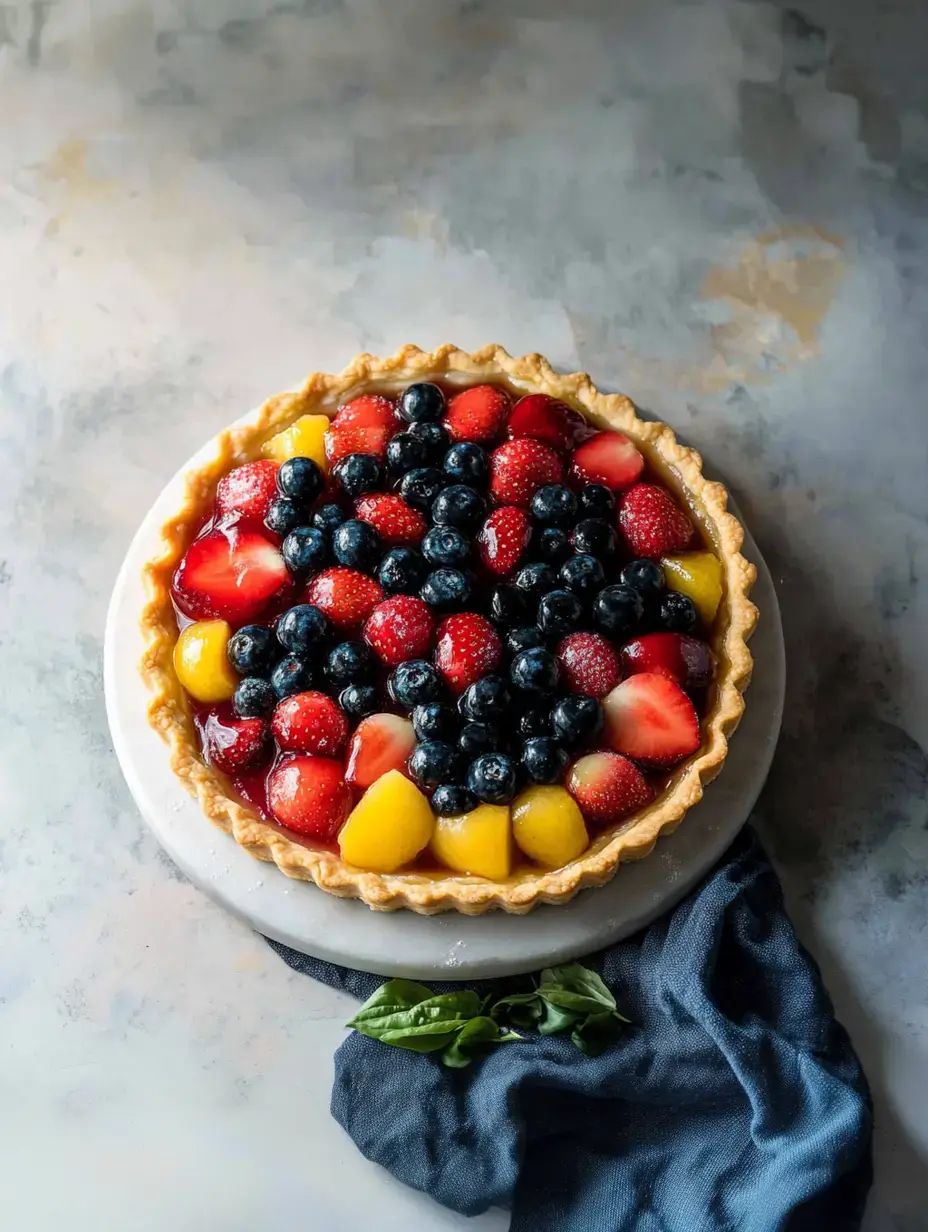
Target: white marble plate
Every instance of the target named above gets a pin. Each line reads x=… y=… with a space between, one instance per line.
x=447 y=946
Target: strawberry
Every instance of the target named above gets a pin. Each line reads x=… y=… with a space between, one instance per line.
x=381 y=742
x=650 y=718
x=230 y=574
x=653 y=525
x=248 y=490
x=519 y=467
x=476 y=414
x=547 y=420
x=686 y=660
x=400 y=628
x=394 y=520
x=608 y=458
x=363 y=425
x=310 y=795
x=589 y=664
x=608 y=787
x=503 y=538
x=309 y=723
x=233 y=745
x=346 y=596
x=468 y=647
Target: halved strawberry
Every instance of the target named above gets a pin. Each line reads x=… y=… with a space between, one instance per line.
x=248 y=490
x=650 y=718
x=476 y=414
x=589 y=664
x=468 y=647
x=608 y=787
x=310 y=795
x=394 y=520
x=518 y=468
x=380 y=743
x=503 y=538
x=233 y=745
x=400 y=628
x=652 y=523
x=346 y=596
x=231 y=574
x=608 y=458
x=309 y=723
x=547 y=420
x=363 y=425
x=686 y=660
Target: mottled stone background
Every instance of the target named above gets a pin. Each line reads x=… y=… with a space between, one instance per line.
x=719 y=208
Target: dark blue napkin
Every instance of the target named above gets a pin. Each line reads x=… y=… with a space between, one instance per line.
x=735 y=1101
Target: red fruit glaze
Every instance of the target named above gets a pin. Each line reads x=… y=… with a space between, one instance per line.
x=652 y=523
x=394 y=520
x=309 y=795
x=231 y=573
x=400 y=628
x=608 y=458
x=589 y=664
x=247 y=490
x=233 y=744
x=309 y=723
x=518 y=468
x=503 y=538
x=380 y=743
x=650 y=718
x=476 y=414
x=686 y=660
x=547 y=420
x=346 y=596
x=363 y=425
x=607 y=787
x=468 y=647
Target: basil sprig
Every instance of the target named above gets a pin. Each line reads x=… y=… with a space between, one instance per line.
x=458 y=1025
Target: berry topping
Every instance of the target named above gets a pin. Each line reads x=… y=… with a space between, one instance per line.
x=677 y=613
x=476 y=414
x=363 y=425
x=202 y=662
x=548 y=826
x=492 y=778
x=253 y=650
x=650 y=718
x=684 y=659
x=466 y=462
x=301 y=479
x=583 y=574
x=381 y=742
x=283 y=515
x=445 y=589
x=508 y=606
x=468 y=647
x=328 y=517
x=401 y=571
x=309 y=723
x=534 y=671
x=394 y=520
x=356 y=545
x=547 y=420
x=519 y=468
x=233 y=745
x=344 y=595
x=248 y=490
x=589 y=664
x=458 y=506
x=254 y=698
x=645 y=576
x=525 y=637
x=503 y=538
x=291 y=675
x=535 y=721
x=436 y=439
x=414 y=683
x=608 y=787
x=554 y=505
x=448 y=801
x=420 y=487
x=446 y=548
x=405 y=452
x=399 y=628
x=596 y=501
x=552 y=545
x=699 y=576
x=577 y=720
x=229 y=574
x=485 y=701
x=421 y=402
x=617 y=610
x=305 y=549
x=594 y=537
x=310 y=795
x=351 y=663
x=301 y=629
x=359 y=700
x=543 y=760
x=477 y=738
x=610 y=459
x=536 y=579
x=559 y=612
x=435 y=722
x=358 y=473
x=434 y=762
x=652 y=523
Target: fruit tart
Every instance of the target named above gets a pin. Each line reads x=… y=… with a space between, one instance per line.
x=449 y=631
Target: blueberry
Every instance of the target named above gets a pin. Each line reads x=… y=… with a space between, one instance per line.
x=291 y=675
x=617 y=610
x=254 y=698
x=435 y=722
x=356 y=545
x=305 y=549
x=405 y=452
x=645 y=576
x=421 y=402
x=594 y=537
x=445 y=548
x=351 y=663
x=535 y=721
x=554 y=505
x=436 y=439
x=283 y=515
x=508 y=606
x=420 y=487
x=596 y=501
x=358 y=473
x=434 y=762
x=536 y=579
x=301 y=629
x=559 y=612
x=576 y=720
x=534 y=671
x=466 y=462
x=492 y=778
x=583 y=574
x=328 y=517
x=477 y=738
x=450 y=801
x=301 y=479
x=458 y=506
x=446 y=590
x=401 y=571
x=253 y=650
x=552 y=545
x=486 y=700
x=678 y=613
x=543 y=760
x=414 y=683
x=359 y=700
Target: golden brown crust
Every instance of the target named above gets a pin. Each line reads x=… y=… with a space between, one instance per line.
x=679 y=467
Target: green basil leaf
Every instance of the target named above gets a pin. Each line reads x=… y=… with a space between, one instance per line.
x=522 y=1008
x=407 y=1015
x=555 y=1019
x=473 y=1038
x=579 y=980
x=596 y=1033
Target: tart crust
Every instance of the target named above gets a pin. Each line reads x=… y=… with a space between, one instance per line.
x=679 y=467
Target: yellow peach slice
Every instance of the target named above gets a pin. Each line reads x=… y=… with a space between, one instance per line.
x=548 y=826
x=478 y=842
x=388 y=827
x=698 y=575
x=303 y=439
x=201 y=662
